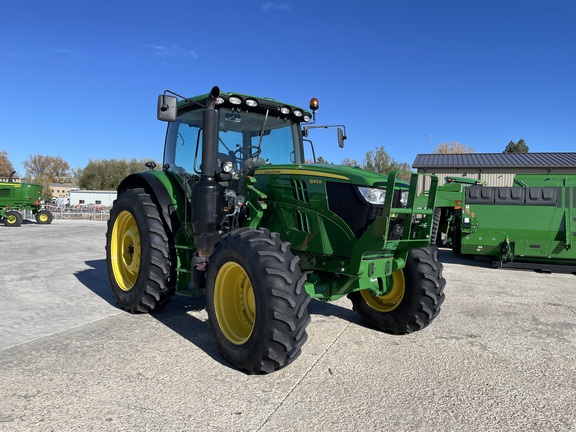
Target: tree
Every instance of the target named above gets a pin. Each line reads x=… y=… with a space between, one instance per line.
x=519 y=147
x=46 y=170
x=350 y=162
x=6 y=166
x=319 y=160
x=106 y=174
x=53 y=168
x=378 y=160
x=452 y=148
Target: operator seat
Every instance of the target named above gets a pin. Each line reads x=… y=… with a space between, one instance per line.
x=250 y=164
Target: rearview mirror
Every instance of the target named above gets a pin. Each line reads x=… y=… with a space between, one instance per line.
x=167 y=108
x=341 y=138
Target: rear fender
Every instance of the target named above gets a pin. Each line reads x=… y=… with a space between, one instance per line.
x=157 y=184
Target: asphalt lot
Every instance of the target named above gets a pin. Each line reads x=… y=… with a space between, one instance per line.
x=500 y=356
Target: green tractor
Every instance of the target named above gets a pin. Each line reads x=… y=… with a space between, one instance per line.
x=16 y=197
x=238 y=215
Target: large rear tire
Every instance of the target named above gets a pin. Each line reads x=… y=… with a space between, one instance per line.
x=139 y=254
x=413 y=299
x=256 y=301
x=13 y=218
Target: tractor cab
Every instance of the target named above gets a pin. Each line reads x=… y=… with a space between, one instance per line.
x=249 y=132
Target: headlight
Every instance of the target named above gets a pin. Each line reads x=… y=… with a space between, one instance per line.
x=227 y=166
x=404 y=198
x=373 y=195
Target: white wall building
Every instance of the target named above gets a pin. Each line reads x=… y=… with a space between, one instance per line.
x=92 y=197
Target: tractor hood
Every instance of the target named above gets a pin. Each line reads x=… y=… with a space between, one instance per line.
x=354 y=175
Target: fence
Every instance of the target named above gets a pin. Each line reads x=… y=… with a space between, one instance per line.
x=93 y=213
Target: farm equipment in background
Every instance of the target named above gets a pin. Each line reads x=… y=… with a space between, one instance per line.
x=448 y=209
x=17 y=197
x=238 y=215
x=530 y=225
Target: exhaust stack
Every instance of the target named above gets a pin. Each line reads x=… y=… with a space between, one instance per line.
x=207 y=194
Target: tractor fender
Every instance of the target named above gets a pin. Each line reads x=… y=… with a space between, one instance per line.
x=158 y=193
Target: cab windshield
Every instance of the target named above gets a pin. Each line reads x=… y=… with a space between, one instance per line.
x=247 y=139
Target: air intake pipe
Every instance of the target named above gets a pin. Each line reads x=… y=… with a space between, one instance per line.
x=207 y=194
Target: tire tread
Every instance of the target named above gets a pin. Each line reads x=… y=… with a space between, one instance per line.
x=155 y=284
x=279 y=338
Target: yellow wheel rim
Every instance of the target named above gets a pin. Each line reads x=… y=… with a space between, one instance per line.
x=389 y=301
x=11 y=219
x=234 y=303
x=43 y=217
x=125 y=251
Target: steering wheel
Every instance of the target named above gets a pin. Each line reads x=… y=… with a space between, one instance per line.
x=240 y=154
x=250 y=162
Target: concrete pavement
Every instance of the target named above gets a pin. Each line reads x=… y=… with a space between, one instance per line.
x=500 y=356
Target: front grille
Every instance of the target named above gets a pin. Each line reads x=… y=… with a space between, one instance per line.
x=345 y=200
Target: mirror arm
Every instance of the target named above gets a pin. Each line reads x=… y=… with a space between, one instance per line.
x=340 y=127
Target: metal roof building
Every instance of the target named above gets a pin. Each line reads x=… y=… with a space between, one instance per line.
x=496 y=169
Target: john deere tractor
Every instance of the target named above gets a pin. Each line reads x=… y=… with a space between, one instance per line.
x=16 y=197
x=237 y=214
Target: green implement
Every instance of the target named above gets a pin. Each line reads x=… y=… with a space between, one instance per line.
x=17 y=197
x=533 y=221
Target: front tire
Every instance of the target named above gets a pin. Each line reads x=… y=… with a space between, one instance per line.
x=256 y=301
x=44 y=217
x=13 y=218
x=413 y=300
x=139 y=254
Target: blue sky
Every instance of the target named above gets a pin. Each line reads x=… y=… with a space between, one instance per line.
x=80 y=79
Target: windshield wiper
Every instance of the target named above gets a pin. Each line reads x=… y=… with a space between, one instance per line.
x=262 y=134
